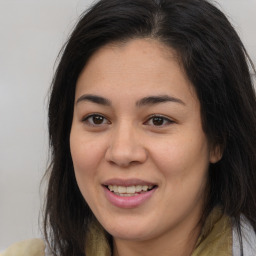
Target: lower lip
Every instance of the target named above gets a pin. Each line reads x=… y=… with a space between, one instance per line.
x=129 y=201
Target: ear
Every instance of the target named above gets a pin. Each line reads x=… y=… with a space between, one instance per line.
x=216 y=154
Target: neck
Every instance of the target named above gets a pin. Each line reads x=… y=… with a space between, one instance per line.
x=175 y=243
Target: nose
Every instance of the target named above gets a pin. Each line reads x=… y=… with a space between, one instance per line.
x=125 y=148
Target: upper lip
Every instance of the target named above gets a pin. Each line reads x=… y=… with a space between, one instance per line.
x=128 y=182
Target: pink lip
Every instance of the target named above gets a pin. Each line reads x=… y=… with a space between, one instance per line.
x=127 y=182
x=128 y=202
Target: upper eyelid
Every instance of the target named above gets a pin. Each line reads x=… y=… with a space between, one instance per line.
x=162 y=116
x=85 y=117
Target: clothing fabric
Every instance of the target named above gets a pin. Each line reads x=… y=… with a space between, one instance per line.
x=248 y=239
x=218 y=237
x=32 y=247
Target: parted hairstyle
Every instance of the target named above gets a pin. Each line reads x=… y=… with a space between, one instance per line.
x=217 y=65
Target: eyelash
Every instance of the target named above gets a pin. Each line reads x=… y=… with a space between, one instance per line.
x=167 y=121
x=89 y=120
x=90 y=123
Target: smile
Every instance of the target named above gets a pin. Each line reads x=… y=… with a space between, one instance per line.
x=130 y=190
x=128 y=193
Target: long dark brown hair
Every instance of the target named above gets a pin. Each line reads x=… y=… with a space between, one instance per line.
x=215 y=62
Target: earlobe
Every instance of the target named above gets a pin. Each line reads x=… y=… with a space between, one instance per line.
x=216 y=154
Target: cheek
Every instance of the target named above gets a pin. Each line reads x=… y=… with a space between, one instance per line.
x=87 y=155
x=182 y=157
x=86 y=152
x=84 y=156
x=184 y=169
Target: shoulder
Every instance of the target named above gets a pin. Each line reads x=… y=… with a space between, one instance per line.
x=32 y=247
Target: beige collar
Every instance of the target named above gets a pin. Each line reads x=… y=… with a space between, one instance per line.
x=216 y=236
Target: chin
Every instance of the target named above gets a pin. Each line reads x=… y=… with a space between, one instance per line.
x=135 y=232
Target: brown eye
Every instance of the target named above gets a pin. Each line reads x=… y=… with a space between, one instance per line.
x=96 y=120
x=159 y=121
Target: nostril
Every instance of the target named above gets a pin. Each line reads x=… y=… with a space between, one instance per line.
x=128 y=153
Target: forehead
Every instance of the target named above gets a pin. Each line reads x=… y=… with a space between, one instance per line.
x=144 y=66
x=145 y=52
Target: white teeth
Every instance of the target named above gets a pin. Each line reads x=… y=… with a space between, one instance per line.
x=138 y=188
x=128 y=190
x=125 y=195
x=145 y=188
x=121 y=189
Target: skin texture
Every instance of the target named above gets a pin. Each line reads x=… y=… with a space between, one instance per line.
x=125 y=142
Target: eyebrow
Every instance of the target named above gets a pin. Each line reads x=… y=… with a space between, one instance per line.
x=150 y=100
x=95 y=99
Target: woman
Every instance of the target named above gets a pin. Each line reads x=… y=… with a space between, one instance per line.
x=152 y=121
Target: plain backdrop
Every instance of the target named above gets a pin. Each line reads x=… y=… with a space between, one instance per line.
x=31 y=35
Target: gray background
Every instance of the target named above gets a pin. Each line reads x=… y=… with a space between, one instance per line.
x=31 y=35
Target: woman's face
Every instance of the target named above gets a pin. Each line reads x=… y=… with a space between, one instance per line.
x=139 y=152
